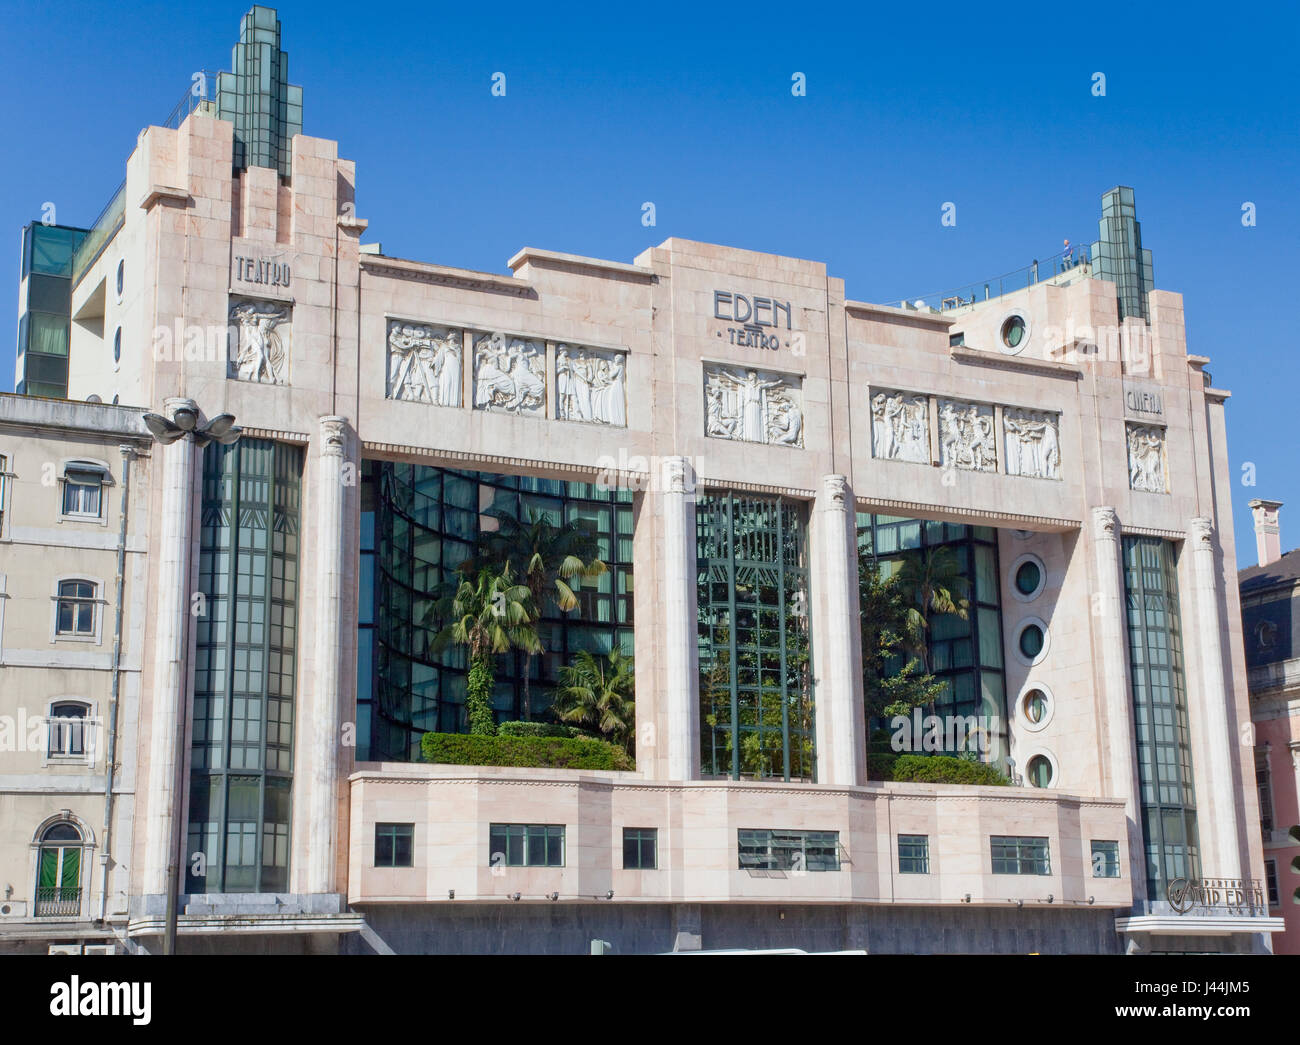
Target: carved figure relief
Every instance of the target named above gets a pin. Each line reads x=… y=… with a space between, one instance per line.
x=591 y=385
x=753 y=406
x=261 y=332
x=509 y=374
x=1146 y=459
x=424 y=364
x=900 y=427
x=966 y=436
x=1033 y=442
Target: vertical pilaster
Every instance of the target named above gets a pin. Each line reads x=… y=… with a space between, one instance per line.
x=682 y=683
x=841 y=717
x=320 y=776
x=170 y=672
x=1216 y=795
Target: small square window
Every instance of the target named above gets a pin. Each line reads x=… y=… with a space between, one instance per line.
x=640 y=848
x=913 y=854
x=82 y=493
x=394 y=845
x=1105 y=859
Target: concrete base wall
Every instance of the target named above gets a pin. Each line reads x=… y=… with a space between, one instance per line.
x=649 y=928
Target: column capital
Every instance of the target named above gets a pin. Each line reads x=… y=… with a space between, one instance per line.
x=1105 y=523
x=1200 y=531
x=674 y=474
x=836 y=489
x=333 y=431
x=173 y=405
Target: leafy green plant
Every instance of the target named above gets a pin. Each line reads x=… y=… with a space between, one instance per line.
x=489 y=614
x=466 y=749
x=597 y=693
x=893 y=681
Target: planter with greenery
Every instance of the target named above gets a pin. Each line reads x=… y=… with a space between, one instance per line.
x=464 y=749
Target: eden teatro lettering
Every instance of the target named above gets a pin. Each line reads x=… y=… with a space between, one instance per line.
x=754 y=315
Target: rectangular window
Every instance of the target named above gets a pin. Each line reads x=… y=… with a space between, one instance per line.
x=1013 y=855
x=1264 y=782
x=76 y=610
x=913 y=854
x=640 y=848
x=526 y=845
x=1105 y=859
x=394 y=845
x=1270 y=880
x=67 y=733
x=775 y=850
x=81 y=494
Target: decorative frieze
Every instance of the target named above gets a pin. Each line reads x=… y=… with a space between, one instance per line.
x=900 y=427
x=966 y=436
x=1033 y=442
x=509 y=374
x=590 y=385
x=753 y=406
x=1146 y=459
x=424 y=363
x=260 y=332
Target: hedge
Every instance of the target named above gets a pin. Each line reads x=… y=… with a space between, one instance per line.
x=465 y=749
x=538 y=729
x=933 y=769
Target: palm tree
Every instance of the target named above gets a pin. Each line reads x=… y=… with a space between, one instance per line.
x=546 y=557
x=598 y=693
x=489 y=614
x=935 y=584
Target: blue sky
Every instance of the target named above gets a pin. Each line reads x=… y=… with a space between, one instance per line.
x=987 y=106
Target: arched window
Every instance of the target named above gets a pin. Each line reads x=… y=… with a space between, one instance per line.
x=67 y=728
x=58 y=872
x=76 y=608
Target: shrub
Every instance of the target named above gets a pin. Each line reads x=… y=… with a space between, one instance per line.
x=880 y=765
x=465 y=749
x=944 y=769
x=537 y=729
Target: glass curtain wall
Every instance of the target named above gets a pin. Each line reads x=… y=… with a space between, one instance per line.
x=965 y=654
x=242 y=748
x=418 y=523
x=756 y=709
x=1160 y=713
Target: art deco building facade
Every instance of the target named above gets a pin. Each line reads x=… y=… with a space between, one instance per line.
x=733 y=427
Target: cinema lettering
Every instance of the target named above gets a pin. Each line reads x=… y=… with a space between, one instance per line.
x=754 y=317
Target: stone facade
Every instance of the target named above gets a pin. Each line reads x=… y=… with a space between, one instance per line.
x=570 y=367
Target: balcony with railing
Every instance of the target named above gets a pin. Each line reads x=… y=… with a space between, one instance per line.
x=1064 y=267
x=58 y=902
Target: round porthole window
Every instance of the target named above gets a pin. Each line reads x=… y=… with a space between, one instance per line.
x=1031 y=640
x=117 y=346
x=1014 y=333
x=1028 y=577
x=1039 y=771
x=121 y=277
x=1035 y=708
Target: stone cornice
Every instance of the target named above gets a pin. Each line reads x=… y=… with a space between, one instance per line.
x=441 y=275
x=278 y=434
x=961 y=354
x=866 y=308
x=1003 y=519
x=585 y=472
x=555 y=259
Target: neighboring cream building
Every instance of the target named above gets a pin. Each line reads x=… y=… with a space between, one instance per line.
x=74 y=506
x=1270 y=609
x=733 y=425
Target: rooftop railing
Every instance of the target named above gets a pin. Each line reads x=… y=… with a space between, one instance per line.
x=1067 y=261
x=202 y=94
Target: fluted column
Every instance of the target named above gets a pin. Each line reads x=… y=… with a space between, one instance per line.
x=171 y=609
x=320 y=776
x=682 y=711
x=1217 y=793
x=1121 y=746
x=841 y=717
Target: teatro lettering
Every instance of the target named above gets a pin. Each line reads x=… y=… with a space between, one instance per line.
x=754 y=318
x=262 y=270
